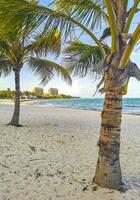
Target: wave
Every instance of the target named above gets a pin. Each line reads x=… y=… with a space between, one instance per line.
x=130 y=106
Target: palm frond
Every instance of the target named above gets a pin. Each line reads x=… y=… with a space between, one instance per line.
x=5 y=67
x=43 y=43
x=90 y=13
x=46 y=69
x=25 y=12
x=81 y=58
x=4 y=45
x=34 y=15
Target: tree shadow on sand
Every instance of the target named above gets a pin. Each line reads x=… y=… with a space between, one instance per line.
x=132 y=181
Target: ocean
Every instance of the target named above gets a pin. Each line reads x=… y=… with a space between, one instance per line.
x=130 y=105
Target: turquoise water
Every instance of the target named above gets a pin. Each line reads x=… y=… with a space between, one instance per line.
x=130 y=105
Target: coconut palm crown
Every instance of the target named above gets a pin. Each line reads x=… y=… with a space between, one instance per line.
x=17 y=50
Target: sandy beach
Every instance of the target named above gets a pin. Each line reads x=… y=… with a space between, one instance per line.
x=53 y=157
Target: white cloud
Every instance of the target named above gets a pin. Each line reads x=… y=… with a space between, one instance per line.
x=81 y=87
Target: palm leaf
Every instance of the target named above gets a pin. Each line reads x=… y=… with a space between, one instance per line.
x=47 y=69
x=81 y=58
x=44 y=43
x=90 y=13
x=35 y=15
x=25 y=12
x=5 y=67
x=4 y=45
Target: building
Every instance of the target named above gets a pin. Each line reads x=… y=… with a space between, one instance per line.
x=53 y=92
x=38 y=91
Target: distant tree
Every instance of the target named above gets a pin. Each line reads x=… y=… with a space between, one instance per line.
x=6 y=94
x=26 y=93
x=8 y=89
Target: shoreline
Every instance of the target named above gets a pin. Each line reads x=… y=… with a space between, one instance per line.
x=31 y=103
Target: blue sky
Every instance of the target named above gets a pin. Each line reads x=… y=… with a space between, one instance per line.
x=84 y=87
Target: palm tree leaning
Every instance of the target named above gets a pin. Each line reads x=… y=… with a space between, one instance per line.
x=116 y=67
x=14 y=53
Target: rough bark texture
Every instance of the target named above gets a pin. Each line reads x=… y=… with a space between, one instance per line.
x=108 y=171
x=15 y=118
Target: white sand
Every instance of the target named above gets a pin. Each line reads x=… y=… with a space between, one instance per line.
x=54 y=155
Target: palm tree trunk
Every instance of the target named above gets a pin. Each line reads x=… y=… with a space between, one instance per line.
x=15 y=118
x=108 y=170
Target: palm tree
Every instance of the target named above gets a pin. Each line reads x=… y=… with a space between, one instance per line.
x=16 y=51
x=116 y=67
x=116 y=70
